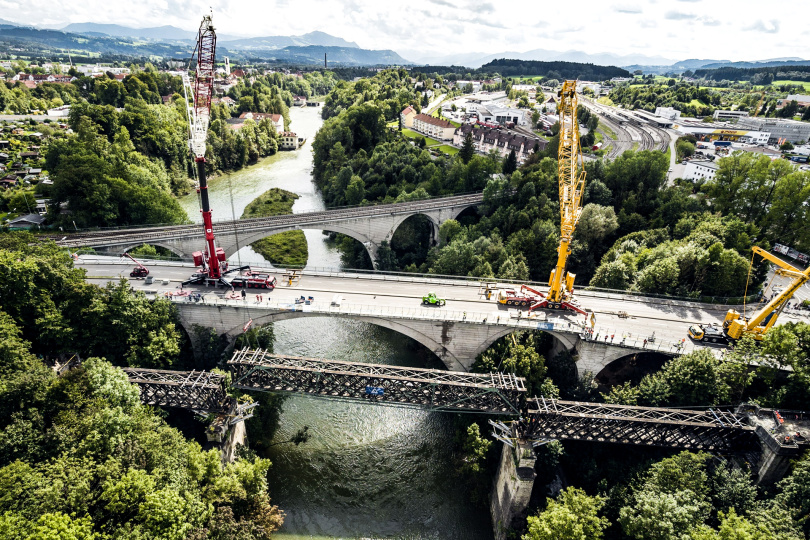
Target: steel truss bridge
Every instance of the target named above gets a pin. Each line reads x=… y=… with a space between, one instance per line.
x=540 y=419
x=710 y=430
x=201 y=391
x=433 y=389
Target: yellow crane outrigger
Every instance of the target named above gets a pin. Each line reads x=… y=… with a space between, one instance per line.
x=737 y=325
x=571 y=173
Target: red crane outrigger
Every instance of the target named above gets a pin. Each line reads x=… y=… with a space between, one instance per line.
x=212 y=261
x=138 y=271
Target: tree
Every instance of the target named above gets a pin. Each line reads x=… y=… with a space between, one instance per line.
x=572 y=516
x=510 y=164
x=467 y=149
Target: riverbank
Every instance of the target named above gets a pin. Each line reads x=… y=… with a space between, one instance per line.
x=281 y=249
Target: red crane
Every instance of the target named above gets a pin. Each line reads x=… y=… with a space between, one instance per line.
x=212 y=260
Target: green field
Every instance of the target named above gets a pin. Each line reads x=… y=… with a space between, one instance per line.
x=411 y=134
x=447 y=149
x=282 y=249
x=607 y=131
x=804 y=83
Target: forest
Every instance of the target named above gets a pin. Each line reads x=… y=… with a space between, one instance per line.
x=80 y=457
x=553 y=70
x=760 y=75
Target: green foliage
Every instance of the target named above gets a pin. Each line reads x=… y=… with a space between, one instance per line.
x=283 y=249
x=690 y=99
x=572 y=516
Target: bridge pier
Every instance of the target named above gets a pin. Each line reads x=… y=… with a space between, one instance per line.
x=775 y=459
x=512 y=487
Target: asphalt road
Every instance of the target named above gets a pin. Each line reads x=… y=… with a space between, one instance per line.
x=667 y=319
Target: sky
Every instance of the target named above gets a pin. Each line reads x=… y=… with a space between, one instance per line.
x=674 y=29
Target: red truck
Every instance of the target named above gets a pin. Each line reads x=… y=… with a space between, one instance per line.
x=252 y=280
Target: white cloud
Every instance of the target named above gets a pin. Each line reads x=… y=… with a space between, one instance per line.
x=444 y=27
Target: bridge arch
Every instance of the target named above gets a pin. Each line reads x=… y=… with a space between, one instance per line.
x=231 y=247
x=165 y=245
x=631 y=366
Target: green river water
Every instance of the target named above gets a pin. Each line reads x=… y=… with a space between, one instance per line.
x=366 y=471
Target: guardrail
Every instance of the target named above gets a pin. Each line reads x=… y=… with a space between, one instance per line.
x=513 y=319
x=442 y=279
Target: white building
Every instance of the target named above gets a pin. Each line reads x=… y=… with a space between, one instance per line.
x=668 y=112
x=492 y=113
x=64 y=110
x=729 y=115
x=700 y=170
x=780 y=129
x=595 y=87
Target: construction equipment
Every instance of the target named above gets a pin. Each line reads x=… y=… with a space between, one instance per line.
x=571 y=173
x=736 y=325
x=511 y=297
x=759 y=105
x=140 y=271
x=432 y=299
x=212 y=260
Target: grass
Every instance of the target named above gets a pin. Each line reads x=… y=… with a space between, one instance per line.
x=282 y=249
x=411 y=134
x=804 y=83
x=607 y=131
x=447 y=149
x=697 y=103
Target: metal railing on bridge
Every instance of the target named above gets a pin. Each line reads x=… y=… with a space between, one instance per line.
x=493 y=393
x=711 y=430
x=201 y=391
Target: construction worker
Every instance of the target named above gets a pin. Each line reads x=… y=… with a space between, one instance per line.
x=244 y=294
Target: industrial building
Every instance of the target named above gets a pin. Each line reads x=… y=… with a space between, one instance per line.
x=668 y=112
x=780 y=129
x=729 y=115
x=700 y=170
x=723 y=132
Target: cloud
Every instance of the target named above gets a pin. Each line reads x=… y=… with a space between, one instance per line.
x=678 y=16
x=691 y=1
x=708 y=21
x=648 y=23
x=442 y=3
x=483 y=7
x=634 y=10
x=770 y=27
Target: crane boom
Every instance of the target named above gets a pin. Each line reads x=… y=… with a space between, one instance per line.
x=571 y=175
x=736 y=325
x=198 y=103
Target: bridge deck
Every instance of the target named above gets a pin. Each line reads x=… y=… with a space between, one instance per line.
x=710 y=430
x=496 y=393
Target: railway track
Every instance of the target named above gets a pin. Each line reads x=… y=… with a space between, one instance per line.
x=146 y=234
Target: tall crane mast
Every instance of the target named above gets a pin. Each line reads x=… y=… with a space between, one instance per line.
x=198 y=103
x=571 y=175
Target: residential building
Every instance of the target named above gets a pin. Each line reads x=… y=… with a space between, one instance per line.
x=802 y=99
x=790 y=130
x=668 y=112
x=619 y=80
x=433 y=127
x=289 y=140
x=700 y=170
x=486 y=139
x=299 y=101
x=729 y=115
x=407 y=115
x=29 y=221
x=277 y=119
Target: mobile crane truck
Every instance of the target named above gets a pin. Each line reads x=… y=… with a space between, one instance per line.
x=737 y=325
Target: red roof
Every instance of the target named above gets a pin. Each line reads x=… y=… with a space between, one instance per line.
x=408 y=110
x=432 y=120
x=261 y=116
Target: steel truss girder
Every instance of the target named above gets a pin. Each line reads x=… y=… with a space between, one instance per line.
x=492 y=393
x=195 y=390
x=713 y=431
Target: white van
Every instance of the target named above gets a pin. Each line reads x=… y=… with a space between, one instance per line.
x=337 y=300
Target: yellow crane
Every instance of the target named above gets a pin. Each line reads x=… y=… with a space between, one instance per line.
x=759 y=105
x=736 y=325
x=571 y=173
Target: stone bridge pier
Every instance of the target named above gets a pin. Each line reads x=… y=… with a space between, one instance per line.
x=371 y=231
x=455 y=343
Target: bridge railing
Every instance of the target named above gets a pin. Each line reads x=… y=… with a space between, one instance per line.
x=628 y=339
x=720 y=302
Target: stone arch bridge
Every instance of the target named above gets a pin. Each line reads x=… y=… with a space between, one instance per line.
x=370 y=225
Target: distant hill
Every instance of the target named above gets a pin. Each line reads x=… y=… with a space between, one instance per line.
x=8 y=23
x=313 y=54
x=171 y=33
x=279 y=42
x=476 y=60
x=758 y=75
x=780 y=62
x=564 y=70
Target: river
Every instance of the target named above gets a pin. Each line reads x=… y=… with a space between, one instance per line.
x=366 y=471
